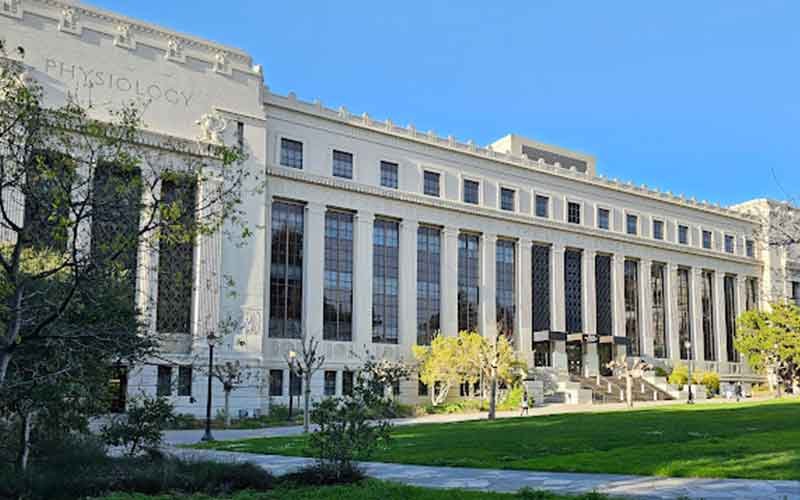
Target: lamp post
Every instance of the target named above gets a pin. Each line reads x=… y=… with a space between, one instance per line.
x=211 y=339
x=688 y=346
x=292 y=361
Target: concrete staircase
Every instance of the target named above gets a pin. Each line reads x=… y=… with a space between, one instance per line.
x=612 y=390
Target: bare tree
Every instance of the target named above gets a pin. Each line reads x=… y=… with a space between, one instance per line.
x=305 y=365
x=630 y=372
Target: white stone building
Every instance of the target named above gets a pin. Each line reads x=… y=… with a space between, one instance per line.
x=374 y=236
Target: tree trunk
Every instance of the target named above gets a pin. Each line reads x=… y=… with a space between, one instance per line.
x=227 y=408
x=307 y=403
x=493 y=395
x=24 y=441
x=629 y=390
x=5 y=360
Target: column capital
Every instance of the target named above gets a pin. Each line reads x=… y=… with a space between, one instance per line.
x=409 y=224
x=558 y=247
x=315 y=208
x=672 y=267
x=525 y=242
x=489 y=237
x=450 y=232
x=365 y=217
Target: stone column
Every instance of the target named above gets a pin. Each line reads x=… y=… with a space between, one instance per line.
x=487 y=318
x=646 y=309
x=671 y=303
x=618 y=293
x=449 y=276
x=741 y=296
x=696 y=297
x=408 y=285
x=523 y=337
x=558 y=319
x=314 y=272
x=719 y=320
x=362 y=279
x=589 y=292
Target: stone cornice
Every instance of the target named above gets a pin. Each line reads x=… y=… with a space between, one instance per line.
x=300 y=176
x=364 y=121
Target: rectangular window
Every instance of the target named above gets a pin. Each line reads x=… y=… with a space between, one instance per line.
x=389 y=178
x=683 y=235
x=750 y=248
x=541 y=288
x=729 y=243
x=396 y=388
x=471 y=192
x=707 y=297
x=342 y=164
x=468 y=281
x=541 y=354
x=385 y=279
x=422 y=388
x=632 y=224
x=295 y=384
x=542 y=206
x=603 y=218
x=429 y=262
x=176 y=259
x=658 y=230
x=632 y=307
x=286 y=270
x=347 y=383
x=507 y=199
x=604 y=313
x=330 y=383
x=751 y=294
x=291 y=153
x=796 y=292
x=573 y=290
x=338 y=293
x=276 y=382
x=431 y=183
x=707 y=240
x=684 y=314
x=573 y=213
x=657 y=277
x=730 y=318
x=164 y=382
x=184 y=380
x=45 y=223
x=506 y=289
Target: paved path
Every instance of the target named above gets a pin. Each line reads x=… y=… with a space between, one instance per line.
x=193 y=436
x=557 y=482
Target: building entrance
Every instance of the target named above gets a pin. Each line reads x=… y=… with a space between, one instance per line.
x=575 y=358
x=605 y=355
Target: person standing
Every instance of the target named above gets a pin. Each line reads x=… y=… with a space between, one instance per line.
x=524 y=404
x=738 y=390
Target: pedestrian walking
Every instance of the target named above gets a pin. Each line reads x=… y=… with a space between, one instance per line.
x=524 y=404
x=738 y=390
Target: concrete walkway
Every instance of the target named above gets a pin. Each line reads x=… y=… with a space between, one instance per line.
x=512 y=481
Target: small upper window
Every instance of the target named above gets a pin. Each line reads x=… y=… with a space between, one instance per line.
x=507 y=199
x=342 y=164
x=542 y=206
x=471 y=191
x=330 y=383
x=658 y=230
x=683 y=234
x=707 y=239
x=185 y=380
x=389 y=174
x=431 y=183
x=603 y=218
x=729 y=243
x=164 y=381
x=573 y=212
x=632 y=224
x=750 y=248
x=291 y=153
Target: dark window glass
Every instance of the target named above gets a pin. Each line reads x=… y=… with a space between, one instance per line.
x=286 y=270
x=632 y=307
x=573 y=213
x=176 y=258
x=507 y=199
x=683 y=235
x=385 y=279
x=658 y=230
x=602 y=271
x=796 y=292
x=506 y=289
x=573 y=292
x=295 y=384
x=542 y=206
x=291 y=153
x=707 y=239
x=750 y=248
x=684 y=314
x=342 y=164
x=541 y=288
x=330 y=383
x=184 y=381
x=389 y=177
x=541 y=354
x=729 y=243
x=657 y=275
x=710 y=349
x=338 y=293
x=632 y=224
x=603 y=218
x=422 y=389
x=276 y=382
x=396 y=388
x=468 y=281
x=471 y=192
x=730 y=318
x=431 y=183
x=240 y=136
x=751 y=294
x=429 y=261
x=47 y=206
x=164 y=382
x=347 y=383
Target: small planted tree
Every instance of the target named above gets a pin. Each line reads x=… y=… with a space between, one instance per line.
x=770 y=341
x=444 y=364
x=498 y=361
x=304 y=365
x=630 y=372
x=142 y=427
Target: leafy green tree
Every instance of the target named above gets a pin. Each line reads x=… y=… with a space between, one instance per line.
x=141 y=427
x=770 y=341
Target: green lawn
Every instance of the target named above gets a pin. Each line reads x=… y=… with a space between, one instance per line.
x=367 y=490
x=747 y=440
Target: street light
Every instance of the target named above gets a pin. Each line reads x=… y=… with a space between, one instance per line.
x=688 y=346
x=292 y=361
x=211 y=339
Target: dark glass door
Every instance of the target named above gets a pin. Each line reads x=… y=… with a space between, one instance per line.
x=575 y=358
x=604 y=353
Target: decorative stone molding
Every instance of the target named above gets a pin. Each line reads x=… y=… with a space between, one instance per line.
x=222 y=65
x=124 y=38
x=211 y=127
x=69 y=22
x=11 y=8
x=174 y=51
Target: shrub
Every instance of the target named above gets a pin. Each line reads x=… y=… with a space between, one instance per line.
x=711 y=381
x=679 y=375
x=315 y=475
x=662 y=372
x=141 y=427
x=513 y=399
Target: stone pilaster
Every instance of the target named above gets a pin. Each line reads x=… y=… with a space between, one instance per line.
x=589 y=293
x=671 y=304
x=362 y=279
x=524 y=300
x=558 y=319
x=408 y=285
x=487 y=318
x=719 y=320
x=449 y=314
x=696 y=297
x=314 y=272
x=646 y=309
x=618 y=293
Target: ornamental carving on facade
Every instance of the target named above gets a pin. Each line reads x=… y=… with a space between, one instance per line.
x=211 y=127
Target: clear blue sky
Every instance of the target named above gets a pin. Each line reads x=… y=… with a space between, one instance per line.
x=699 y=97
